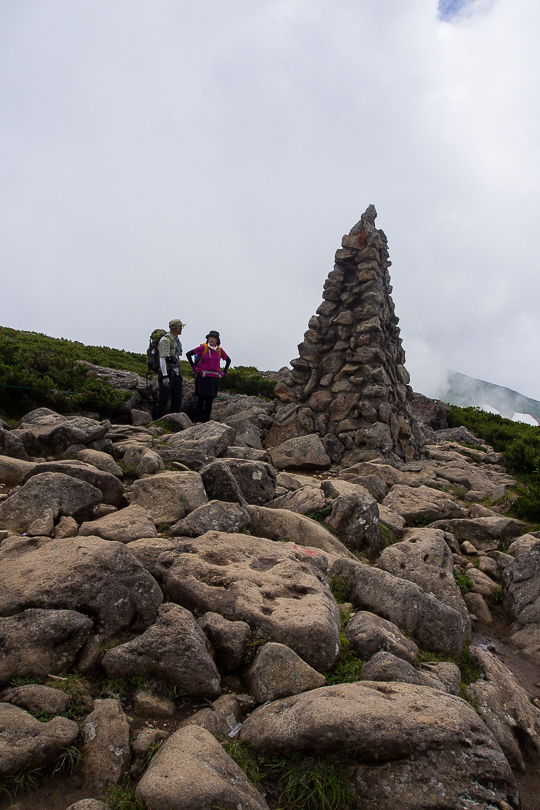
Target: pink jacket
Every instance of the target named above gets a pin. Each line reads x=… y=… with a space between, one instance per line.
x=209 y=364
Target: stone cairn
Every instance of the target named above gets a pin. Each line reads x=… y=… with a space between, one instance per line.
x=350 y=384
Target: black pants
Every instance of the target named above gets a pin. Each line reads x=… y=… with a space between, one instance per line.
x=173 y=391
x=203 y=408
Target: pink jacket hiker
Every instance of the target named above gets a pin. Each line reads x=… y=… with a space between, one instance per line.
x=208 y=366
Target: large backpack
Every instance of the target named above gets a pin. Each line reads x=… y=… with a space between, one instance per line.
x=152 y=352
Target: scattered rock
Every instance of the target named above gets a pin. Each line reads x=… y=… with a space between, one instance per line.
x=38 y=642
x=193 y=765
x=257 y=581
x=99 y=578
x=174 y=649
x=434 y=625
x=106 y=751
x=124 y=526
x=216 y=516
x=169 y=496
x=228 y=639
x=277 y=671
x=368 y=634
x=302 y=453
x=28 y=743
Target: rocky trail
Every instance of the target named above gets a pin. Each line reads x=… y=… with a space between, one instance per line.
x=318 y=602
x=188 y=589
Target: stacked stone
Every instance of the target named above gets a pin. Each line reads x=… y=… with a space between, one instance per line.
x=350 y=384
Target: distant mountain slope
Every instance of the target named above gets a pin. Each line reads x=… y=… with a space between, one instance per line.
x=462 y=390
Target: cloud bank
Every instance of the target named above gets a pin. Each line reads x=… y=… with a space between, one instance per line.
x=202 y=161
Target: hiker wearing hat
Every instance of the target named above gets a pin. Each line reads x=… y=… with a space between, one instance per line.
x=205 y=362
x=169 y=375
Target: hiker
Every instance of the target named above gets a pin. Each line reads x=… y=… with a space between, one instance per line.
x=204 y=361
x=170 y=375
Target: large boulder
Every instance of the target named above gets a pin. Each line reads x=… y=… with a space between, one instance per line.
x=355 y=520
x=40 y=642
x=28 y=743
x=216 y=516
x=191 y=771
x=521 y=587
x=44 y=429
x=303 y=500
x=33 y=698
x=277 y=671
x=125 y=526
x=260 y=582
x=369 y=634
x=423 y=557
x=173 y=649
x=106 y=752
x=422 y=503
x=507 y=710
x=96 y=577
x=485 y=533
x=432 y=624
x=108 y=484
x=302 y=453
x=255 y=480
x=46 y=497
x=13 y=470
x=281 y=524
x=169 y=496
x=210 y=438
x=228 y=639
x=102 y=461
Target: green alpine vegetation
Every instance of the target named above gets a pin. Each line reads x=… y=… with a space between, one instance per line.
x=40 y=371
x=520 y=447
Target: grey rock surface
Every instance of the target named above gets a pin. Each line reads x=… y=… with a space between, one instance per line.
x=256 y=480
x=108 y=484
x=33 y=697
x=368 y=634
x=55 y=494
x=424 y=557
x=218 y=516
x=302 y=453
x=228 y=639
x=96 y=577
x=27 y=743
x=507 y=710
x=169 y=496
x=257 y=581
x=422 y=503
x=106 y=751
x=174 y=649
x=277 y=671
x=355 y=520
x=39 y=642
x=193 y=765
x=125 y=526
x=434 y=625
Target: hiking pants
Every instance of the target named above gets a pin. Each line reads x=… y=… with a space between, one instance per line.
x=173 y=392
x=203 y=408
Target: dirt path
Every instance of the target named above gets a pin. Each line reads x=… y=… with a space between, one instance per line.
x=527 y=674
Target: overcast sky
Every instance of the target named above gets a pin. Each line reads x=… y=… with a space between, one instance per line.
x=202 y=159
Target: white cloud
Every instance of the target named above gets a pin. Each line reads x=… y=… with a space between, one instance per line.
x=203 y=160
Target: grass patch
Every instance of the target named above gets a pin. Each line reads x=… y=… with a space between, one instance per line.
x=464 y=582
x=320 y=514
x=27 y=779
x=256 y=640
x=122 y=797
x=340 y=591
x=386 y=536
x=348 y=666
x=296 y=782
